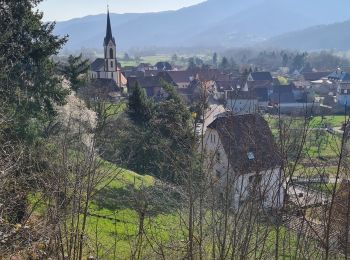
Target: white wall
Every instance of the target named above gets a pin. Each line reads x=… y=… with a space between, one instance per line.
x=242 y=106
x=269 y=192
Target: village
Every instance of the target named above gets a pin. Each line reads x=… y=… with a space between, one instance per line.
x=133 y=136
x=238 y=129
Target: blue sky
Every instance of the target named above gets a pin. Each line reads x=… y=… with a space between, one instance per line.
x=60 y=10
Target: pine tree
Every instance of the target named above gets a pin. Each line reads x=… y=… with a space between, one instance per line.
x=140 y=106
x=215 y=59
x=224 y=64
x=29 y=85
x=74 y=71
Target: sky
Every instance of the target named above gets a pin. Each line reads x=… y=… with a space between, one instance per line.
x=61 y=10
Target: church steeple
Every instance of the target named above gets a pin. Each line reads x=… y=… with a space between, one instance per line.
x=109 y=36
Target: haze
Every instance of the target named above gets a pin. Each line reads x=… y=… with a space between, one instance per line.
x=55 y=10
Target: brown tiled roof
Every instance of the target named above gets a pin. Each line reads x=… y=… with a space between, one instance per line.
x=244 y=136
x=213 y=74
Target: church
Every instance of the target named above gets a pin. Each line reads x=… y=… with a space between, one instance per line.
x=107 y=68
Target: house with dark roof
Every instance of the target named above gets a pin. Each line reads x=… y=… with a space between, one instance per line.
x=182 y=78
x=244 y=160
x=241 y=102
x=152 y=84
x=343 y=94
x=108 y=67
x=284 y=100
x=313 y=76
x=342 y=81
x=260 y=76
x=282 y=94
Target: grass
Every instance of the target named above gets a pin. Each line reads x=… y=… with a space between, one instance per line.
x=114 y=220
x=323 y=187
x=316 y=122
x=145 y=59
x=333 y=121
x=310 y=172
x=319 y=142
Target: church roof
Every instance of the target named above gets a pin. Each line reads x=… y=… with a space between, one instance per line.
x=98 y=65
x=109 y=36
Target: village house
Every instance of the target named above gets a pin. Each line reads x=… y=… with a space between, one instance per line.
x=182 y=78
x=342 y=81
x=259 y=79
x=285 y=100
x=152 y=84
x=313 y=76
x=241 y=102
x=107 y=68
x=244 y=160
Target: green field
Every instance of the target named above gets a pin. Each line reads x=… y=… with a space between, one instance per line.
x=145 y=59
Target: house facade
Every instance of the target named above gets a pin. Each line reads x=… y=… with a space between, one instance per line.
x=244 y=160
x=343 y=94
x=241 y=102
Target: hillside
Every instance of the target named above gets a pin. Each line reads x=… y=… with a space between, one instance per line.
x=212 y=23
x=333 y=36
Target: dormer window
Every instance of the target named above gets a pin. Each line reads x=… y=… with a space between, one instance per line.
x=250 y=155
x=218 y=157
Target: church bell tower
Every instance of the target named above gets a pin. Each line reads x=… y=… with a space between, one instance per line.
x=110 y=49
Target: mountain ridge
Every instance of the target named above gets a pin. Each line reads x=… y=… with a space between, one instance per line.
x=214 y=23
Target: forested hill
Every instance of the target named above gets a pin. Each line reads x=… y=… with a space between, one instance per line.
x=217 y=23
x=333 y=36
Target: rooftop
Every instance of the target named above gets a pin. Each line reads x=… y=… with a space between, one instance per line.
x=248 y=142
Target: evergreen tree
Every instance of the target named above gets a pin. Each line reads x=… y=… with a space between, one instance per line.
x=126 y=56
x=233 y=65
x=224 y=65
x=29 y=85
x=285 y=60
x=74 y=71
x=215 y=59
x=140 y=106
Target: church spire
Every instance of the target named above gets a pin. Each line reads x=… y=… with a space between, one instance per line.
x=109 y=36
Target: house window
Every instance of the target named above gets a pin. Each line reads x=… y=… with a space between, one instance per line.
x=255 y=179
x=218 y=157
x=111 y=64
x=345 y=91
x=251 y=156
x=111 y=53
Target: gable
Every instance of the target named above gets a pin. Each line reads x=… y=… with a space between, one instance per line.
x=248 y=142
